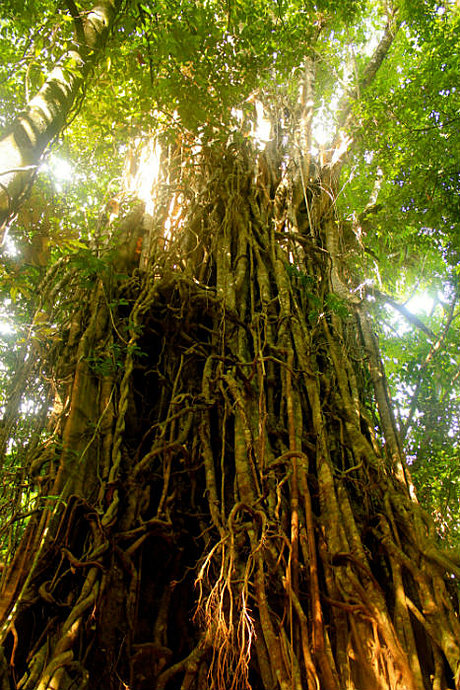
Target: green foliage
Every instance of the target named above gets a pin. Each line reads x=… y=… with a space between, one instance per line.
x=424 y=383
x=437 y=480
x=112 y=359
x=336 y=305
x=32 y=37
x=407 y=207
x=409 y=139
x=108 y=362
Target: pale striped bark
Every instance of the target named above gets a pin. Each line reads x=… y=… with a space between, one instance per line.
x=23 y=144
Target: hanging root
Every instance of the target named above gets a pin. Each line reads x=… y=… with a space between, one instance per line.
x=224 y=612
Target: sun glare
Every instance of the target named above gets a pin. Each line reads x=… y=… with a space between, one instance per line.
x=60 y=170
x=6 y=328
x=263 y=127
x=421 y=304
x=142 y=183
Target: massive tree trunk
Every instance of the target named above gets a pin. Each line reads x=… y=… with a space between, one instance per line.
x=23 y=145
x=233 y=507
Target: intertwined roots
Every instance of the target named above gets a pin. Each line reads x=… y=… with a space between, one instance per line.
x=237 y=509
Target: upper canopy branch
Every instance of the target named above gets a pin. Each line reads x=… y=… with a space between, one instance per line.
x=78 y=22
x=23 y=145
x=346 y=115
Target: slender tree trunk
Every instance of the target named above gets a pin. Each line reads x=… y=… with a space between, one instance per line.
x=234 y=507
x=24 y=143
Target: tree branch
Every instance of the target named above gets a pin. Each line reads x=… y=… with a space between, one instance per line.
x=414 y=320
x=23 y=144
x=79 y=28
x=370 y=72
